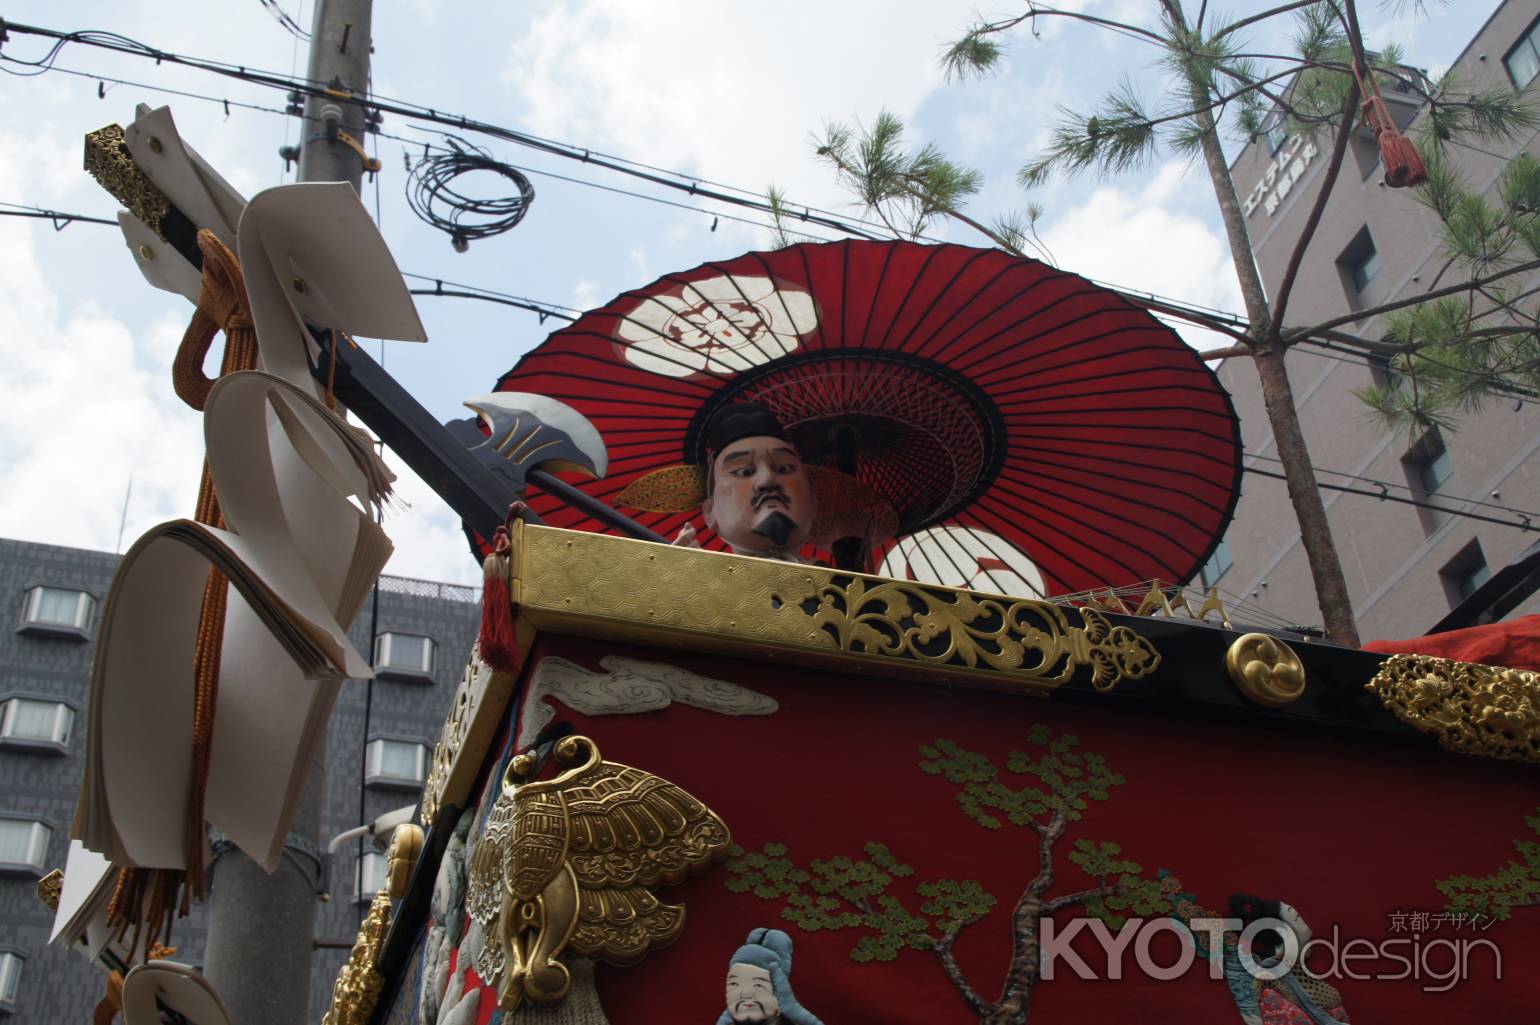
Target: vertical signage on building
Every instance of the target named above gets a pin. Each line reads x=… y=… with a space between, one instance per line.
x=1293 y=157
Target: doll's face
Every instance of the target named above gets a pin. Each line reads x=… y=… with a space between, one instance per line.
x=751 y=994
x=760 y=501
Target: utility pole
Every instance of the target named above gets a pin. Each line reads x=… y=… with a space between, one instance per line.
x=262 y=927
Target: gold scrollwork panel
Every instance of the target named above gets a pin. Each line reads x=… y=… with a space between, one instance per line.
x=1470 y=708
x=624 y=589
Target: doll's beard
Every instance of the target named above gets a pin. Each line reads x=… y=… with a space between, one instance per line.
x=776 y=528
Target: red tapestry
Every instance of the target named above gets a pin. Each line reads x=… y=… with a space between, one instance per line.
x=871 y=816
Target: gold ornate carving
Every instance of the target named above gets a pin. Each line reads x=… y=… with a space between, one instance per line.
x=910 y=620
x=474 y=714
x=48 y=889
x=358 y=983
x=1470 y=708
x=662 y=595
x=1266 y=670
x=569 y=863
x=108 y=161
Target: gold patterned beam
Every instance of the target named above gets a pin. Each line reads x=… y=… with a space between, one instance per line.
x=616 y=588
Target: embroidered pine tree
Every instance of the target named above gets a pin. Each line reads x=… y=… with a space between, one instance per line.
x=1045 y=791
x=1515 y=885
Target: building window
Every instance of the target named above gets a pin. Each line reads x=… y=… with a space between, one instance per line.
x=23 y=845
x=1429 y=462
x=1523 y=61
x=1359 y=262
x=1277 y=130
x=1382 y=370
x=57 y=610
x=10 y=977
x=409 y=653
x=371 y=875
x=1428 y=469
x=32 y=719
x=396 y=761
x=1464 y=573
x=1216 y=565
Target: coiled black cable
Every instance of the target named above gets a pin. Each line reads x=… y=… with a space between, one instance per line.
x=433 y=197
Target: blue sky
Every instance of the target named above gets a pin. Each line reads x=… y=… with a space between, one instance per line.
x=729 y=91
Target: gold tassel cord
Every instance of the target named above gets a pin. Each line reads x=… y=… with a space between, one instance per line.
x=149 y=897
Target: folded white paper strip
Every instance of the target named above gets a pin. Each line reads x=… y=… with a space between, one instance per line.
x=311 y=255
x=296 y=486
x=300 y=559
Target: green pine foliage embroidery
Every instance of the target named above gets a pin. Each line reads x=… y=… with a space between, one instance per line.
x=859 y=893
x=1515 y=885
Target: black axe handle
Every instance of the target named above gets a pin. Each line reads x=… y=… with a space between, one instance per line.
x=480 y=496
x=587 y=503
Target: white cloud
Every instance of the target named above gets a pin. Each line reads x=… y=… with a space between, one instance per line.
x=585 y=295
x=88 y=403
x=714 y=88
x=1137 y=241
x=428 y=539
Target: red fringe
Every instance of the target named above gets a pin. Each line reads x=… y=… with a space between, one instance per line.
x=498 y=642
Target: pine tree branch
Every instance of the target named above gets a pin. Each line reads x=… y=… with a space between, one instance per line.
x=1036 y=11
x=1254 y=18
x=1322 y=197
x=1070 y=900
x=954 y=972
x=1374 y=311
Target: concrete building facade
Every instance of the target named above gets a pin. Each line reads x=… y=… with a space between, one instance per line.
x=379 y=741
x=1406 y=566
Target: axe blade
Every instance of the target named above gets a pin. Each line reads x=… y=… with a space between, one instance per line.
x=530 y=431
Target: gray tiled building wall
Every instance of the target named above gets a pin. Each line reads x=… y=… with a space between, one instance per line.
x=1392 y=554
x=59 y=987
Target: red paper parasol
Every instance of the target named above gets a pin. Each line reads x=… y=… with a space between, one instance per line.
x=1032 y=431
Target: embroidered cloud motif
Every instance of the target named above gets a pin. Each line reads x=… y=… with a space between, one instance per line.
x=628 y=686
x=720 y=325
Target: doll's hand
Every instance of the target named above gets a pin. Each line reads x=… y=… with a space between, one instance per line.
x=686 y=537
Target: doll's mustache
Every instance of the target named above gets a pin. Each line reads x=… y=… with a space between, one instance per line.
x=775 y=491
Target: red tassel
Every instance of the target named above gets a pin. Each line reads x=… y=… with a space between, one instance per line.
x=1403 y=164
x=498 y=643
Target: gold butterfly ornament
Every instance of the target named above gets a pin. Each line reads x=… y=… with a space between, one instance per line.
x=569 y=864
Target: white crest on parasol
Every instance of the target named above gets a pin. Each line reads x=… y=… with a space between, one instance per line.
x=722 y=325
x=956 y=556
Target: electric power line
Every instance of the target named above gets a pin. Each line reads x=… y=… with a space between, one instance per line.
x=60 y=220
x=287 y=22
x=228 y=104
x=853 y=226
x=1523 y=524
x=380 y=105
